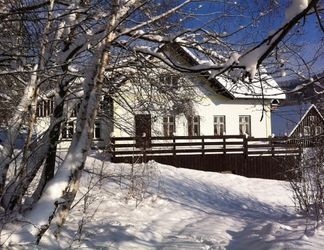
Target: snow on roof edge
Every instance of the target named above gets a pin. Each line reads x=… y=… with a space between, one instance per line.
x=270 y=91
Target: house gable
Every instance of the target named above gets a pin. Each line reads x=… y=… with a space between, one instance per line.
x=297 y=121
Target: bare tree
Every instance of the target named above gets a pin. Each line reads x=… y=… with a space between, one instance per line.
x=82 y=49
x=306 y=178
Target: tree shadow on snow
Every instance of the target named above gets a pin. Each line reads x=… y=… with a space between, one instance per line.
x=208 y=198
x=268 y=236
x=261 y=219
x=110 y=235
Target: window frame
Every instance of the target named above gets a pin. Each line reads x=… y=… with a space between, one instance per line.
x=194 y=125
x=307 y=131
x=170 y=80
x=97 y=130
x=169 y=127
x=45 y=108
x=75 y=109
x=245 y=123
x=106 y=106
x=68 y=130
x=318 y=130
x=219 y=125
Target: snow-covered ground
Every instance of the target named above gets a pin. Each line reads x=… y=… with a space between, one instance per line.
x=181 y=209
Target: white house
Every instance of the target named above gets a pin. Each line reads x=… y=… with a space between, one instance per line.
x=221 y=107
x=215 y=106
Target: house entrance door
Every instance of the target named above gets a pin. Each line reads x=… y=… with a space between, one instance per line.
x=143 y=131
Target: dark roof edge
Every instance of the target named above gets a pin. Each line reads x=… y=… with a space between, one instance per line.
x=220 y=89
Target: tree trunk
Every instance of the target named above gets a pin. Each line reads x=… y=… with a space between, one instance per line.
x=14 y=129
x=29 y=96
x=50 y=208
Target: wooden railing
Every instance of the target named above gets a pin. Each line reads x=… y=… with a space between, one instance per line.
x=203 y=145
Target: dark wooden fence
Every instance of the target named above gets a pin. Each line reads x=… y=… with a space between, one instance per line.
x=250 y=157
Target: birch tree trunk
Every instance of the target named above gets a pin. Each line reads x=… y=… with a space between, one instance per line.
x=90 y=106
x=26 y=102
x=50 y=209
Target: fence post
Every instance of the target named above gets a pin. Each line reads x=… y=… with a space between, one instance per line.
x=174 y=146
x=245 y=170
x=144 y=153
x=245 y=146
x=224 y=145
x=203 y=145
x=112 y=148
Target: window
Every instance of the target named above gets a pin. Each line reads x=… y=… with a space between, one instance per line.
x=97 y=130
x=245 y=124
x=194 y=126
x=45 y=108
x=75 y=110
x=219 y=125
x=170 y=80
x=169 y=125
x=318 y=130
x=106 y=106
x=68 y=129
x=174 y=81
x=306 y=130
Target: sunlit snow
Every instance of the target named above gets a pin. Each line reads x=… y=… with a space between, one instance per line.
x=181 y=209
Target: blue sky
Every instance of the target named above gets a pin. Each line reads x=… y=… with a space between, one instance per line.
x=241 y=13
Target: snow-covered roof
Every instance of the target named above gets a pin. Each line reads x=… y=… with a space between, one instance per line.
x=284 y=120
x=265 y=87
x=262 y=86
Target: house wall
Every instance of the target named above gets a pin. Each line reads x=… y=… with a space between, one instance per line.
x=41 y=127
x=106 y=128
x=232 y=109
x=207 y=106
